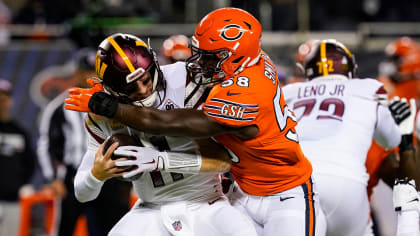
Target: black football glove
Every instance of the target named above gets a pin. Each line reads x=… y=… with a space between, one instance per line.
x=103 y=104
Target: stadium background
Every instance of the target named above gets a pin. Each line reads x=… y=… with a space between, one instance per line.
x=45 y=33
x=41 y=35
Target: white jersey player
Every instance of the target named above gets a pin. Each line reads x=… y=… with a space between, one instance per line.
x=337 y=118
x=170 y=203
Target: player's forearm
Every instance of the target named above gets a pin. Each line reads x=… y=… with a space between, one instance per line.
x=194 y=163
x=210 y=164
x=86 y=186
x=214 y=156
x=178 y=122
x=408 y=166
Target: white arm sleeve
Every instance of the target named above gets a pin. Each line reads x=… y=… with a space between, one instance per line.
x=86 y=186
x=386 y=132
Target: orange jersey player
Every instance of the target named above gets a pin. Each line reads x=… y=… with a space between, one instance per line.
x=400 y=70
x=379 y=163
x=254 y=98
x=245 y=111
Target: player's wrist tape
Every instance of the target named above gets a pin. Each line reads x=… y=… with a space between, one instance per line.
x=183 y=162
x=103 y=104
x=406 y=143
x=405 y=196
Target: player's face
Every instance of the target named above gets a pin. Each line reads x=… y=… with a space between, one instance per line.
x=141 y=88
x=208 y=63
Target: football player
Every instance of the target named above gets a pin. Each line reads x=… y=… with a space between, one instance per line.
x=179 y=200
x=338 y=117
x=399 y=72
x=300 y=55
x=245 y=111
x=175 y=48
x=405 y=197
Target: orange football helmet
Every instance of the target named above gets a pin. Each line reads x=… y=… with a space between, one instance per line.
x=402 y=60
x=301 y=53
x=226 y=41
x=402 y=46
x=175 y=48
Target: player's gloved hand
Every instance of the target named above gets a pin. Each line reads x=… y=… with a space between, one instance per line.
x=103 y=104
x=404 y=115
x=405 y=196
x=100 y=103
x=78 y=99
x=146 y=159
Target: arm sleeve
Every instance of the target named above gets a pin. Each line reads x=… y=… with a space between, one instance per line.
x=86 y=186
x=233 y=108
x=386 y=132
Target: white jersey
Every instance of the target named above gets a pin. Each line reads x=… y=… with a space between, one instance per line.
x=337 y=119
x=156 y=187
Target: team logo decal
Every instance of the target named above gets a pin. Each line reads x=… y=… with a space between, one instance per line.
x=177 y=225
x=170 y=105
x=232 y=32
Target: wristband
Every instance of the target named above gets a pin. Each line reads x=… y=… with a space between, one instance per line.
x=406 y=143
x=183 y=162
x=103 y=104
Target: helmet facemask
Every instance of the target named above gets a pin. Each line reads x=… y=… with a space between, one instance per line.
x=206 y=66
x=157 y=85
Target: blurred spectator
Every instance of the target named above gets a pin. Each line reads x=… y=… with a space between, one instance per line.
x=17 y=163
x=55 y=79
x=61 y=147
x=175 y=48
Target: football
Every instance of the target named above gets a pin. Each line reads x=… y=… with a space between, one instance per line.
x=123 y=140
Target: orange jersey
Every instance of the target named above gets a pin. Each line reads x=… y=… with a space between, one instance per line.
x=374 y=159
x=272 y=161
x=408 y=89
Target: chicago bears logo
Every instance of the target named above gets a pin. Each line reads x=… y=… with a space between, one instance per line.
x=232 y=32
